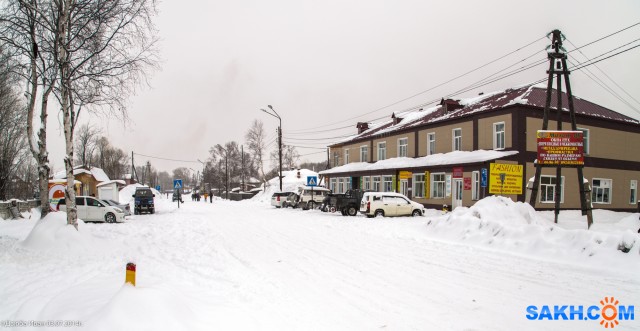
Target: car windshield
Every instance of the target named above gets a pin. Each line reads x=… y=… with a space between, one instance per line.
x=144 y=193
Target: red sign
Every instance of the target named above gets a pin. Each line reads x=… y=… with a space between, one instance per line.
x=457 y=172
x=560 y=148
x=467 y=183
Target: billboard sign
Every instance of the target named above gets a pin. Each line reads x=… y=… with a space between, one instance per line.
x=560 y=148
x=505 y=179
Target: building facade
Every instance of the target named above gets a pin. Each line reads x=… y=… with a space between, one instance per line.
x=444 y=155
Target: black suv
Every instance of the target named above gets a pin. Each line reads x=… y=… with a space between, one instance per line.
x=143 y=201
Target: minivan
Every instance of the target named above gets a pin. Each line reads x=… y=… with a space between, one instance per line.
x=91 y=209
x=389 y=204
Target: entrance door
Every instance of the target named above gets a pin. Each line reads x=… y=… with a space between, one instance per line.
x=404 y=187
x=457 y=193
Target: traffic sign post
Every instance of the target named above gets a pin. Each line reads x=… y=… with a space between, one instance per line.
x=177 y=185
x=312 y=181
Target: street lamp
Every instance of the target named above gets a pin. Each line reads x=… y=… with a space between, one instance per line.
x=275 y=114
x=226 y=169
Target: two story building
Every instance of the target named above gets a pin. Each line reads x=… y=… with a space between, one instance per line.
x=444 y=155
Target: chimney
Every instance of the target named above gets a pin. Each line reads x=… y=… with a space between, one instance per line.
x=396 y=119
x=362 y=127
x=450 y=105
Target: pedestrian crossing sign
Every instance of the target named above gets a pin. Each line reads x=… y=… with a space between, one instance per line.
x=312 y=180
x=177 y=183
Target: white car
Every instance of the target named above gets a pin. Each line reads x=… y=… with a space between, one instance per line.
x=91 y=209
x=389 y=204
x=305 y=200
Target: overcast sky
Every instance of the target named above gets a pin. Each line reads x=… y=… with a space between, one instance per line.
x=320 y=64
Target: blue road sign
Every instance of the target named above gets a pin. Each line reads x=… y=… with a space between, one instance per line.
x=158 y=188
x=483 y=177
x=312 y=180
x=177 y=183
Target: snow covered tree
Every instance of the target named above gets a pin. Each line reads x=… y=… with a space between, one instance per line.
x=86 y=144
x=255 y=139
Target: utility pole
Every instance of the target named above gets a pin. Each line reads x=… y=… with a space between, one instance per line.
x=275 y=114
x=242 y=171
x=148 y=176
x=558 y=66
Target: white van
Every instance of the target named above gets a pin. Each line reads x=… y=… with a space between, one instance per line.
x=91 y=209
x=389 y=204
x=306 y=201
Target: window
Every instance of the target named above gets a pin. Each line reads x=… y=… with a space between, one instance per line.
x=431 y=143
x=387 y=183
x=336 y=159
x=601 y=190
x=418 y=185
x=633 y=196
x=382 y=151
x=341 y=185
x=498 y=135
x=79 y=201
x=364 y=154
x=366 y=183
x=548 y=189
x=475 y=185
x=332 y=185
x=346 y=156
x=437 y=185
x=457 y=139
x=585 y=138
x=376 y=183
x=402 y=147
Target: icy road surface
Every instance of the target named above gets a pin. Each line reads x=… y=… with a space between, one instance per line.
x=249 y=266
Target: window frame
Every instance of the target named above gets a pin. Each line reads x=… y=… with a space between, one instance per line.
x=431 y=149
x=382 y=151
x=633 y=190
x=435 y=184
x=456 y=140
x=553 y=186
x=376 y=180
x=404 y=147
x=387 y=179
x=346 y=156
x=418 y=185
x=336 y=158
x=594 y=190
x=475 y=185
x=497 y=134
x=585 y=138
x=364 y=151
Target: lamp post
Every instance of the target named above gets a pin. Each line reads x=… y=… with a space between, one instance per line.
x=226 y=169
x=275 y=114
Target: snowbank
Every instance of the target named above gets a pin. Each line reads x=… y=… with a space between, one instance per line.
x=290 y=182
x=500 y=223
x=53 y=234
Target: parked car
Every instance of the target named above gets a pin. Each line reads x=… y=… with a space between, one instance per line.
x=91 y=209
x=124 y=206
x=389 y=204
x=282 y=199
x=347 y=203
x=309 y=198
x=143 y=200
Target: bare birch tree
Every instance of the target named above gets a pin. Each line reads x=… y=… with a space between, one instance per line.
x=26 y=32
x=86 y=144
x=255 y=139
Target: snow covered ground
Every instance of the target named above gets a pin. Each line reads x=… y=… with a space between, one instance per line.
x=248 y=266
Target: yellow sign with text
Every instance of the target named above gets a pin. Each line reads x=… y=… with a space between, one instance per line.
x=505 y=179
x=405 y=174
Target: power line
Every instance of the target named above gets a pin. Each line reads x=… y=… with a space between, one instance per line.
x=165 y=159
x=433 y=87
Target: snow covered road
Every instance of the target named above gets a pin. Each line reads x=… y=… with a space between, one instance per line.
x=247 y=266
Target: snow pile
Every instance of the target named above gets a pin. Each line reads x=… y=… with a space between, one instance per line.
x=500 y=223
x=53 y=234
x=290 y=183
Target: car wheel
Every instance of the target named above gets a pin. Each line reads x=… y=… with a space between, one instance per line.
x=332 y=209
x=136 y=212
x=352 y=211
x=110 y=218
x=343 y=211
x=379 y=212
x=416 y=213
x=153 y=211
x=311 y=205
x=370 y=216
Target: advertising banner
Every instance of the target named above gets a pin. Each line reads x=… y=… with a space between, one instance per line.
x=512 y=175
x=560 y=148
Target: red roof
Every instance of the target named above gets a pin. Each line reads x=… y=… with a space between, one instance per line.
x=528 y=95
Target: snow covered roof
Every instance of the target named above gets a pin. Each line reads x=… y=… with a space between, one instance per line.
x=530 y=95
x=97 y=173
x=457 y=157
x=117 y=181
